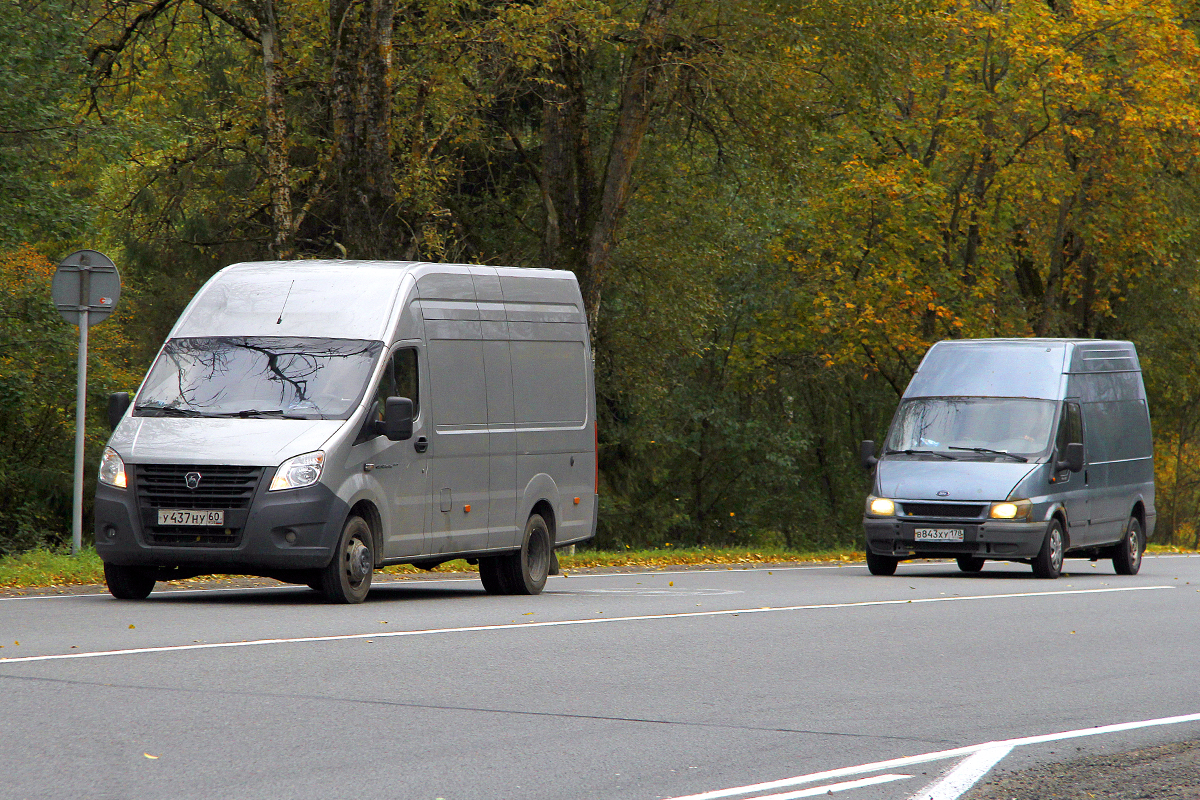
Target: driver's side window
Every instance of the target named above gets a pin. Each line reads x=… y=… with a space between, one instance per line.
x=399 y=380
x=1070 y=427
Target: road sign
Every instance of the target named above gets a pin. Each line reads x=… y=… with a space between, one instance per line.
x=86 y=281
x=85 y=291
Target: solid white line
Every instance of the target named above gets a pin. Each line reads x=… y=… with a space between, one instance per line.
x=341 y=637
x=833 y=787
x=941 y=755
x=964 y=776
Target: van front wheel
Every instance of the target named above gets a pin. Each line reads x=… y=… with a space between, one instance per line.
x=970 y=563
x=881 y=565
x=1128 y=557
x=525 y=571
x=1049 y=561
x=347 y=579
x=128 y=583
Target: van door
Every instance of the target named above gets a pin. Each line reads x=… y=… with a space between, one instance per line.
x=401 y=468
x=1072 y=487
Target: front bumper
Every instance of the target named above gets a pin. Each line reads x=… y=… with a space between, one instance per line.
x=982 y=539
x=311 y=518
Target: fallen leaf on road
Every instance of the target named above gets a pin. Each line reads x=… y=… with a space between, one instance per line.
x=147 y=755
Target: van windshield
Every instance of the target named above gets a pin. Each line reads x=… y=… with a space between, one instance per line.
x=968 y=426
x=258 y=377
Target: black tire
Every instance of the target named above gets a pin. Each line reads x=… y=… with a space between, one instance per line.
x=491 y=573
x=128 y=583
x=970 y=563
x=1127 y=559
x=347 y=579
x=1049 y=561
x=525 y=571
x=881 y=565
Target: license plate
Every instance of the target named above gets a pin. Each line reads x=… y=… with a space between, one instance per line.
x=179 y=516
x=938 y=534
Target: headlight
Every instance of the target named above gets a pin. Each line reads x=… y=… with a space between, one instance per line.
x=1011 y=509
x=112 y=469
x=298 y=472
x=880 y=507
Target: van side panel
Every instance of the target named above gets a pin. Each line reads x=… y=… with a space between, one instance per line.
x=459 y=444
x=554 y=429
x=1120 y=466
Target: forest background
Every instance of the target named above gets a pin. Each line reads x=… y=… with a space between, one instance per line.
x=773 y=209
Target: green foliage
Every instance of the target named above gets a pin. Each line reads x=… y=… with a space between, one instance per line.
x=41 y=67
x=38 y=358
x=817 y=193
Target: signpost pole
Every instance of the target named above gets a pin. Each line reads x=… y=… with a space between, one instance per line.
x=80 y=412
x=85 y=291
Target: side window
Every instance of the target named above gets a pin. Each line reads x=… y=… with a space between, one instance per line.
x=1070 y=427
x=400 y=379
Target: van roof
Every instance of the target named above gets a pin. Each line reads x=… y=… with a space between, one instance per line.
x=335 y=298
x=1031 y=367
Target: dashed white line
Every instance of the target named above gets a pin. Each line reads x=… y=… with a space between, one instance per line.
x=342 y=637
x=830 y=788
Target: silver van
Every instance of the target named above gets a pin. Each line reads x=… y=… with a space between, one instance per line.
x=1022 y=450
x=312 y=421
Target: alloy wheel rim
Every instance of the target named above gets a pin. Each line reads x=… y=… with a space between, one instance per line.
x=1056 y=550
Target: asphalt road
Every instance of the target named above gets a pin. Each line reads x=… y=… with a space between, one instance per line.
x=774 y=682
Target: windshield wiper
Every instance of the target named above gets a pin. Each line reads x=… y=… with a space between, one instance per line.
x=254 y=413
x=168 y=411
x=911 y=452
x=990 y=451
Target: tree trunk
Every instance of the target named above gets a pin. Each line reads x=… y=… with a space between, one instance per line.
x=582 y=218
x=275 y=129
x=361 y=74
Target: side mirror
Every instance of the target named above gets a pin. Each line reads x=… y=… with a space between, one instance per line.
x=1072 y=458
x=866 y=454
x=398 y=418
x=118 y=404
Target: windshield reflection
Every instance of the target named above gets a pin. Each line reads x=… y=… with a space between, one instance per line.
x=988 y=427
x=258 y=377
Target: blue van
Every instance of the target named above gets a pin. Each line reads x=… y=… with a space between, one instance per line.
x=1023 y=450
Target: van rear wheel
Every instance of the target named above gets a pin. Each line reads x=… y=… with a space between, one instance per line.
x=970 y=563
x=347 y=579
x=128 y=583
x=1127 y=559
x=881 y=565
x=525 y=571
x=1049 y=561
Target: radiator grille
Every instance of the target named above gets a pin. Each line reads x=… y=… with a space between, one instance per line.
x=220 y=487
x=943 y=510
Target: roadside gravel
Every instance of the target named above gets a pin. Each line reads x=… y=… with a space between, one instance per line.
x=1165 y=772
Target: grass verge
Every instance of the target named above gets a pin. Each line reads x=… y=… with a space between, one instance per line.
x=40 y=568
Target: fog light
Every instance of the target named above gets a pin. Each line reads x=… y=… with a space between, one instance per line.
x=110 y=532
x=290 y=537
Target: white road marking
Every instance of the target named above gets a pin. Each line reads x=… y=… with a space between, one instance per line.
x=964 y=776
x=343 y=637
x=940 y=755
x=830 y=788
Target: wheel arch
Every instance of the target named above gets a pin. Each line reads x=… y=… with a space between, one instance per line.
x=370 y=514
x=543 y=507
